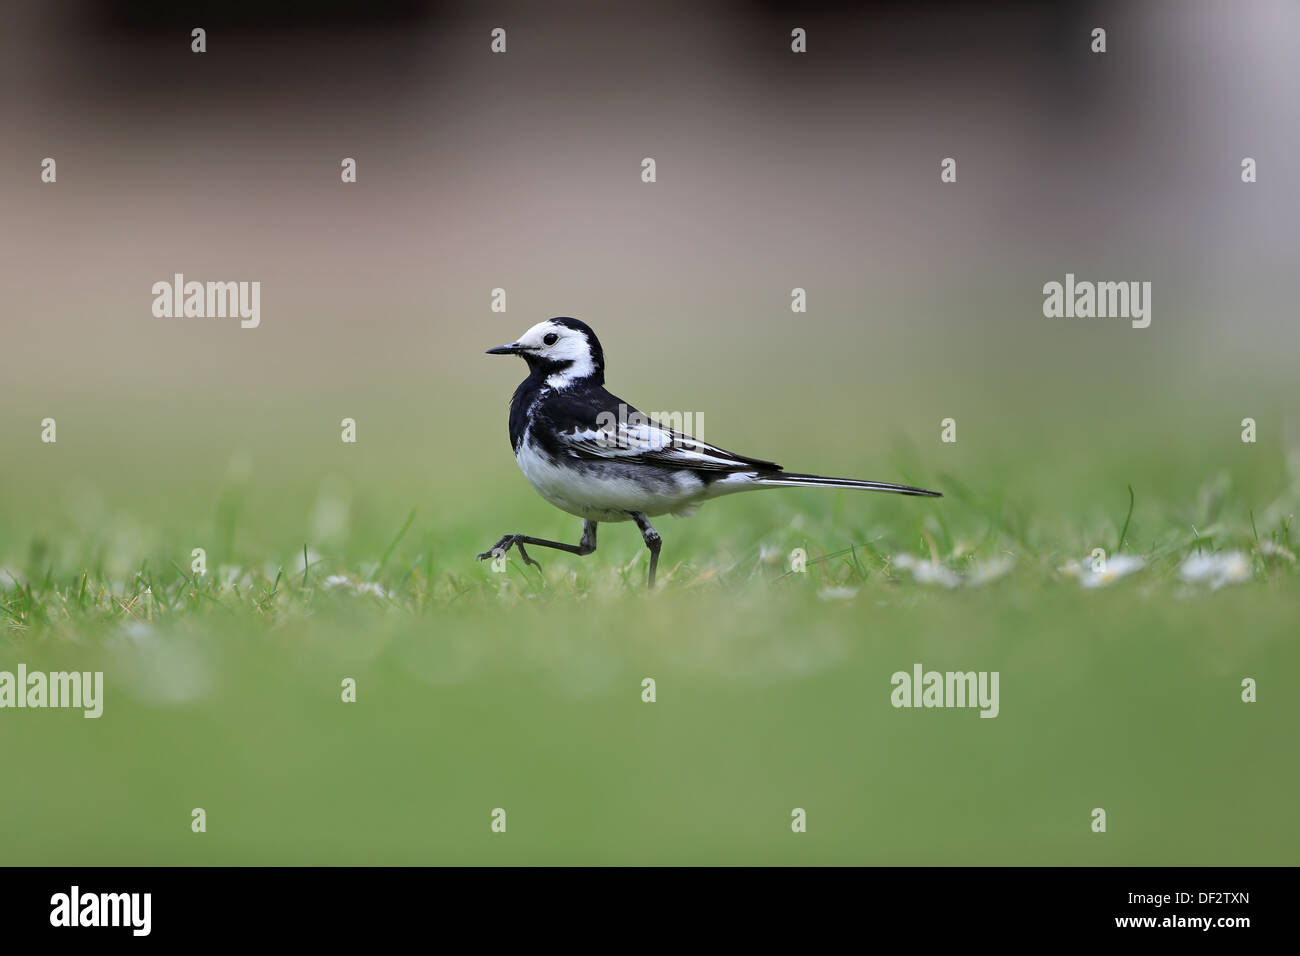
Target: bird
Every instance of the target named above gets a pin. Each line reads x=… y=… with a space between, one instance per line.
x=589 y=453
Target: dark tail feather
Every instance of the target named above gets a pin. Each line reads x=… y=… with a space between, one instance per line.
x=787 y=479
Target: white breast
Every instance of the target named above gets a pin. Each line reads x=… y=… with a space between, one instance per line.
x=606 y=491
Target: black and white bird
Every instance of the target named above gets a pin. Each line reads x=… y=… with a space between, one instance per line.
x=593 y=455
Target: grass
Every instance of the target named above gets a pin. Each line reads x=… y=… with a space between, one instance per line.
x=523 y=689
x=49 y=600
x=966 y=535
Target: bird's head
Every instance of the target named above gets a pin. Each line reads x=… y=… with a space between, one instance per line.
x=560 y=351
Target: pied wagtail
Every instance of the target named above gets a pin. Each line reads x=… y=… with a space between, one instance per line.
x=593 y=455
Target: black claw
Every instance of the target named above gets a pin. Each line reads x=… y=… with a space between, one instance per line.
x=501 y=546
x=505 y=544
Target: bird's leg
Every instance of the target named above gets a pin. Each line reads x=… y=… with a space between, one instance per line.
x=652 y=541
x=585 y=546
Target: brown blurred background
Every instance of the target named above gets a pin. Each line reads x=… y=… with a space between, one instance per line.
x=522 y=171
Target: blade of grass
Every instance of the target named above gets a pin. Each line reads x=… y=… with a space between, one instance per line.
x=1123 y=531
x=388 y=553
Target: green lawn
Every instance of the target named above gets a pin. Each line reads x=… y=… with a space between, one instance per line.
x=523 y=690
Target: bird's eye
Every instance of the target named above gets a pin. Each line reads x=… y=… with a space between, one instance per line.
x=550 y=338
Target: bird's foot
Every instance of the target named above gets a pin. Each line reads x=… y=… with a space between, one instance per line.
x=507 y=542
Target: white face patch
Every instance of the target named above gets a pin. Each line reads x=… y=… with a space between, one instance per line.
x=570 y=346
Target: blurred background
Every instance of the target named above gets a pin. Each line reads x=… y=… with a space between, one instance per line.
x=523 y=171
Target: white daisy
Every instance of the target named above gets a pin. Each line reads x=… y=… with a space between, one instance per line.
x=1225 y=567
x=990 y=570
x=1271 y=549
x=928 y=572
x=357 y=587
x=1096 y=574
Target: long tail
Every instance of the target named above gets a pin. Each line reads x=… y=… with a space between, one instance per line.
x=787 y=479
